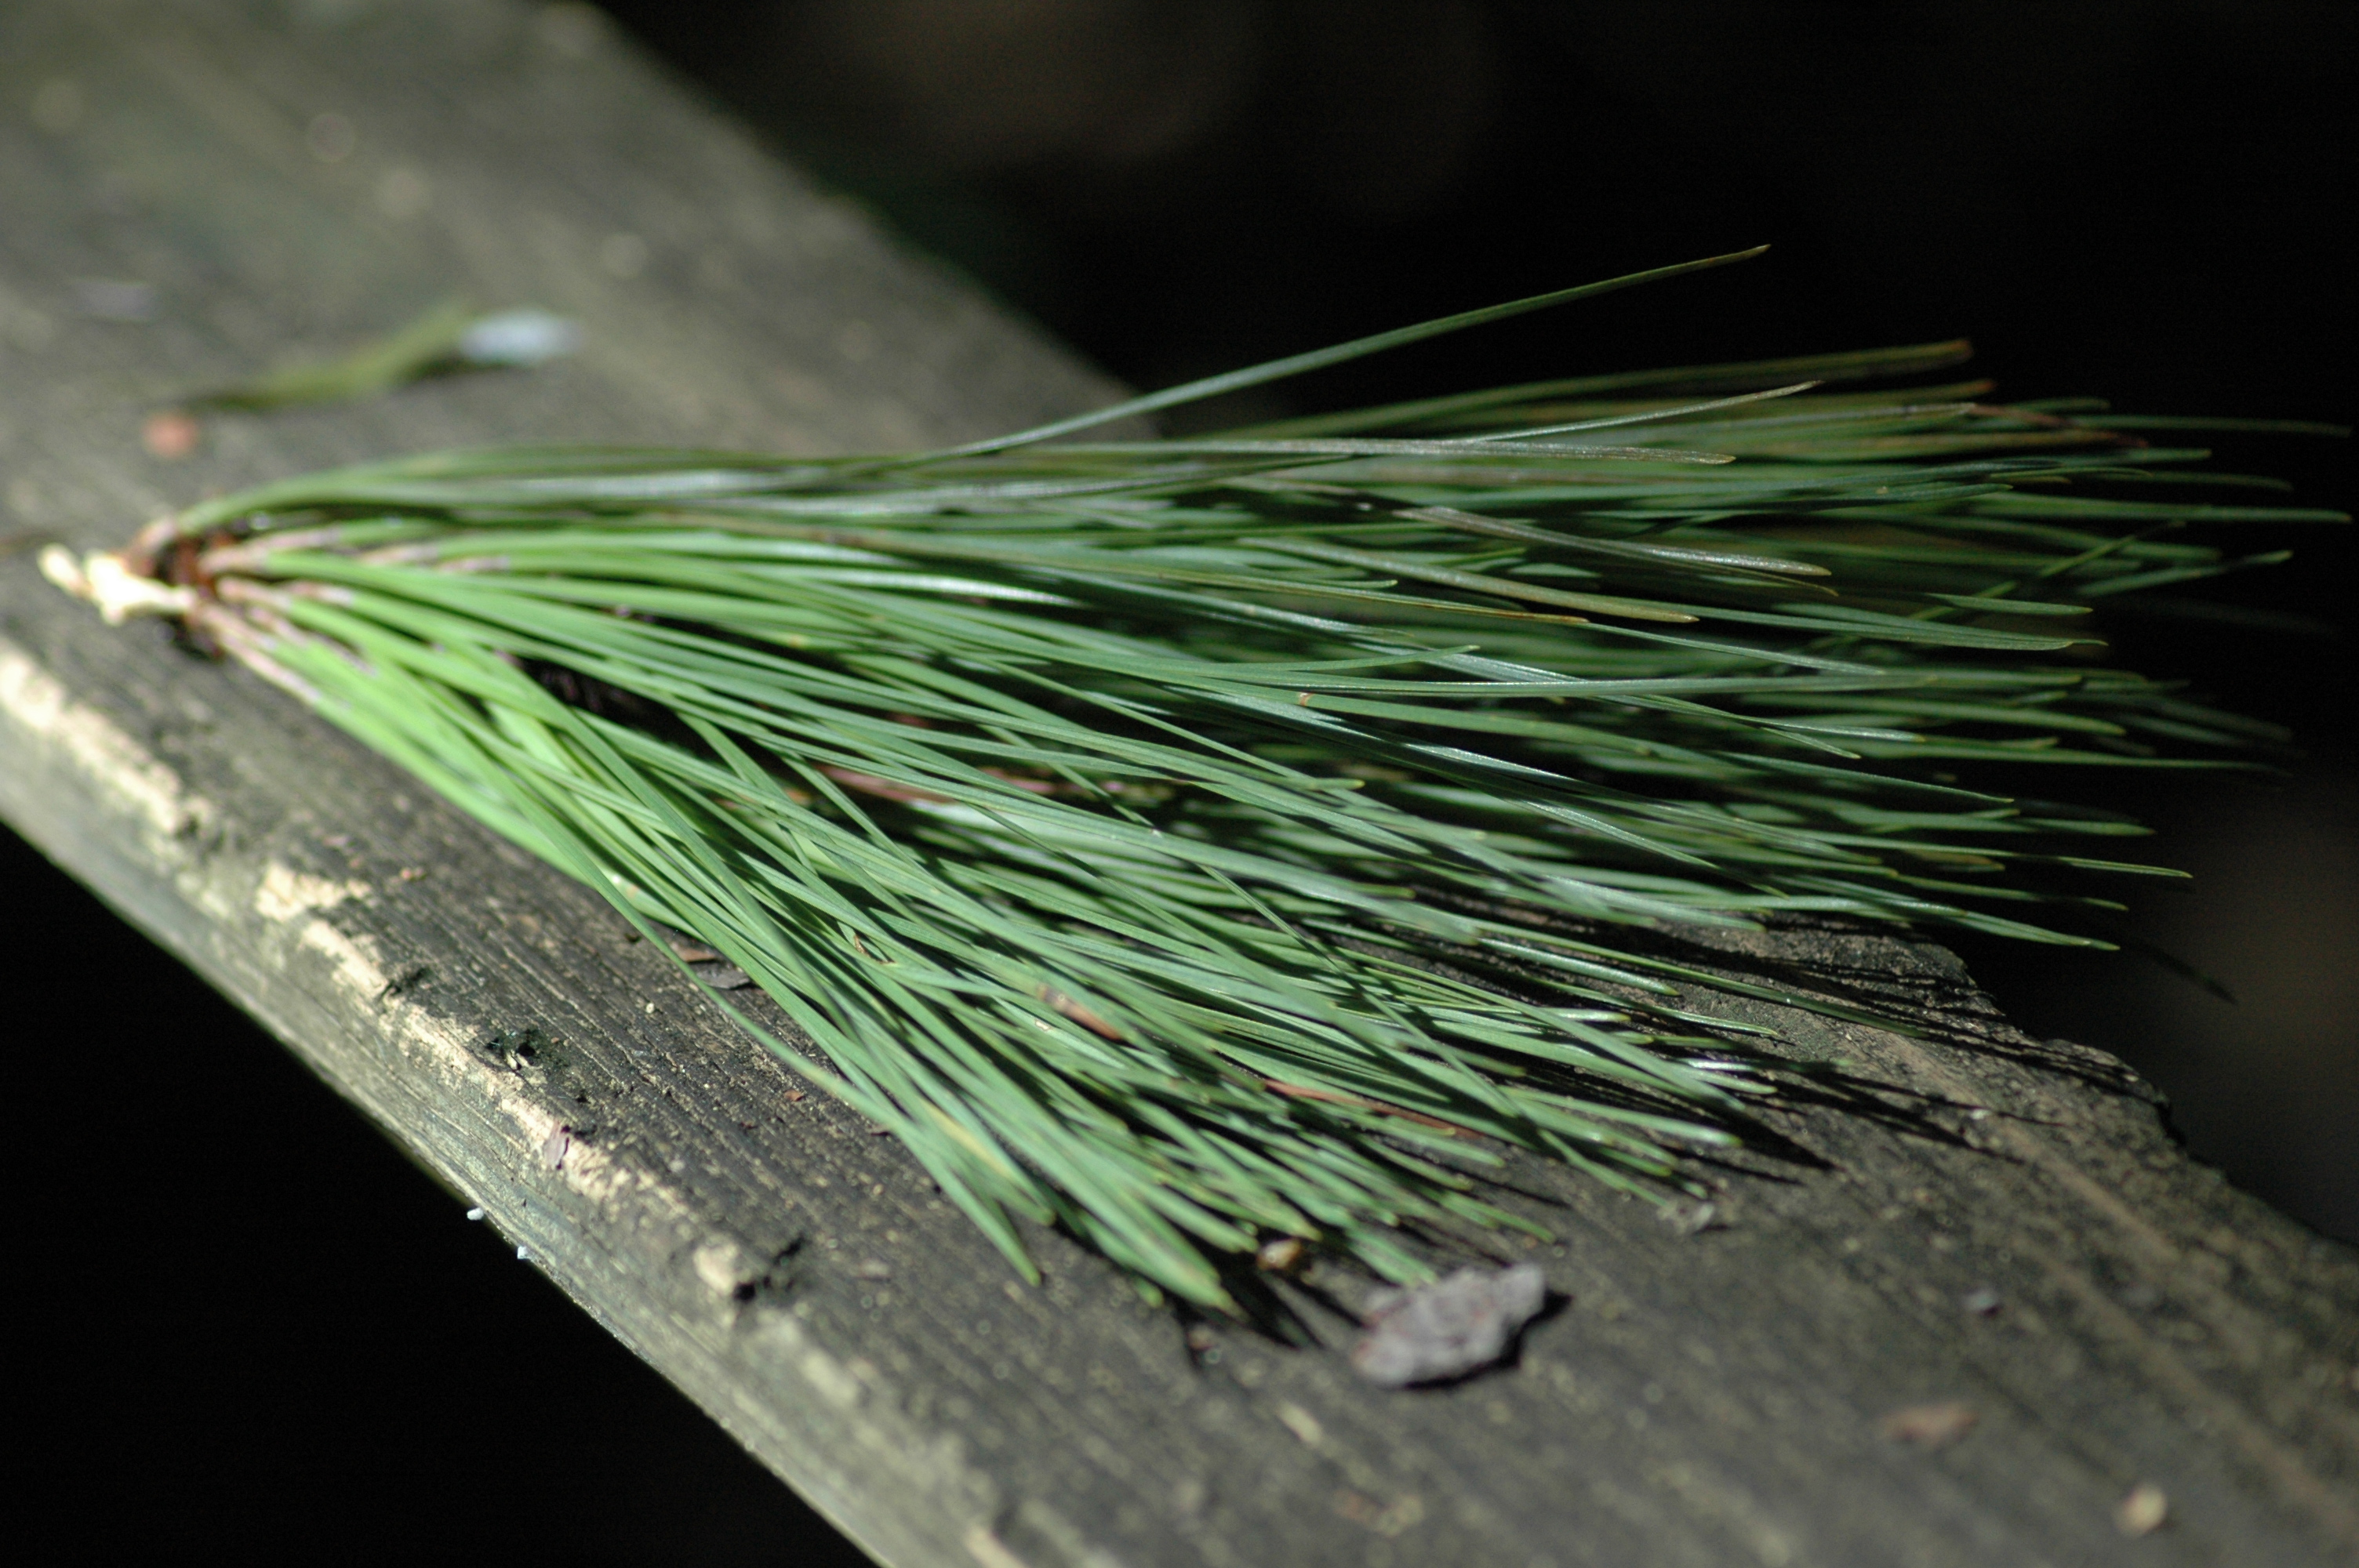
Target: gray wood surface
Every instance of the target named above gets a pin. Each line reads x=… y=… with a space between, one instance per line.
x=1703 y=1396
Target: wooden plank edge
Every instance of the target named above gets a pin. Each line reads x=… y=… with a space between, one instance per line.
x=85 y=792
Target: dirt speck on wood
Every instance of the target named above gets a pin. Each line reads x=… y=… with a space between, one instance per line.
x=1932 y=1425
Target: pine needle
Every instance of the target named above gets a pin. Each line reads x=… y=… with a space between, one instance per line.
x=1193 y=843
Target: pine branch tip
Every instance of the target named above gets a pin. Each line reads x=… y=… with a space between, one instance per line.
x=1169 y=840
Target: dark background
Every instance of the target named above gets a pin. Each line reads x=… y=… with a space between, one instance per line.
x=2129 y=200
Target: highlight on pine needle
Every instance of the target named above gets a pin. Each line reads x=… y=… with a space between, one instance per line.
x=1198 y=845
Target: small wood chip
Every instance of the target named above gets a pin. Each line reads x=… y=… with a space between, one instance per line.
x=1929 y=1425
x=1301 y=1422
x=2143 y=1511
x=1446 y=1330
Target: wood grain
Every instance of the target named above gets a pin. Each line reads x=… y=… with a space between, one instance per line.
x=1709 y=1393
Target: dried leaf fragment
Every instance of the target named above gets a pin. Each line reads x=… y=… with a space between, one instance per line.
x=1448 y=1329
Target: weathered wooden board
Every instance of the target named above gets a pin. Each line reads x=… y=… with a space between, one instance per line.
x=1705 y=1396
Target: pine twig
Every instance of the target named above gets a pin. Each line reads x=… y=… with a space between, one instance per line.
x=1198 y=843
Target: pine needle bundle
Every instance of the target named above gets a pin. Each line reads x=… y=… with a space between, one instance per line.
x=1197 y=842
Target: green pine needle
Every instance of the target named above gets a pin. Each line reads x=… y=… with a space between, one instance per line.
x=1191 y=843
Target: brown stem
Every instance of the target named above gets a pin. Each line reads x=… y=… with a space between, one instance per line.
x=1336 y=1096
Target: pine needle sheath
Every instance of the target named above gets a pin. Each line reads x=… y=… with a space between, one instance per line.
x=1193 y=843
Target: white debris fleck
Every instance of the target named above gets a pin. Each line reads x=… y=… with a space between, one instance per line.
x=2146 y=1510
x=519 y=338
x=1301 y=1422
